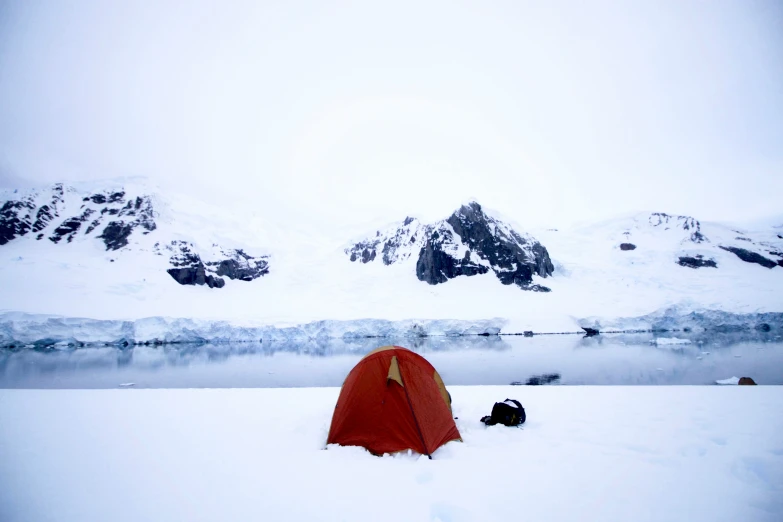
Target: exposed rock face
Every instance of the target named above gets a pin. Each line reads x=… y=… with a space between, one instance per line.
x=513 y=258
x=16 y=219
x=191 y=269
x=136 y=213
x=436 y=265
x=398 y=245
x=116 y=218
x=627 y=246
x=468 y=243
x=195 y=276
x=115 y=235
x=697 y=261
x=241 y=266
x=38 y=211
x=751 y=257
x=746 y=381
x=46 y=213
x=70 y=227
x=687 y=223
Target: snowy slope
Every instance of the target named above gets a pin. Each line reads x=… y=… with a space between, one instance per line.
x=601 y=279
x=309 y=277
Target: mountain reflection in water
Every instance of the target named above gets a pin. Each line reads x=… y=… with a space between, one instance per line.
x=472 y=360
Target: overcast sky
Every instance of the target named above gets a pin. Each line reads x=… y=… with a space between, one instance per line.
x=548 y=112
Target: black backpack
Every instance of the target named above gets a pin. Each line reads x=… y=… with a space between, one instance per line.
x=509 y=413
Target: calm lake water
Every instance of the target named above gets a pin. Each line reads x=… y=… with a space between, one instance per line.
x=564 y=359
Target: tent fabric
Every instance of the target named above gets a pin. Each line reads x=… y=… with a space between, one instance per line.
x=394 y=372
x=393 y=400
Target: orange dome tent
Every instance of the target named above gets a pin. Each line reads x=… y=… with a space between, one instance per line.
x=393 y=400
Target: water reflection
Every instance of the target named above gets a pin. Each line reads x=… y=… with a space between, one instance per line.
x=602 y=359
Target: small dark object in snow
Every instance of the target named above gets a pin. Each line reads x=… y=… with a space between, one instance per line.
x=544 y=378
x=589 y=332
x=509 y=413
x=527 y=333
x=763 y=327
x=627 y=246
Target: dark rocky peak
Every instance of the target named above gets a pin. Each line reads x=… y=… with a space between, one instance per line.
x=686 y=223
x=441 y=258
x=513 y=257
x=188 y=267
x=469 y=242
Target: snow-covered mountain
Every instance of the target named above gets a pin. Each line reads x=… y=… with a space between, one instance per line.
x=467 y=243
x=686 y=242
x=697 y=250
x=119 y=218
x=126 y=250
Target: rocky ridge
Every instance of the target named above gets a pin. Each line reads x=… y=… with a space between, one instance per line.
x=686 y=223
x=188 y=267
x=467 y=243
x=62 y=214
x=112 y=214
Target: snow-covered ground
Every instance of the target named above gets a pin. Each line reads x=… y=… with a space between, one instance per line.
x=586 y=453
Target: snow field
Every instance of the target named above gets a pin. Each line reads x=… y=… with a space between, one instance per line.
x=586 y=453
